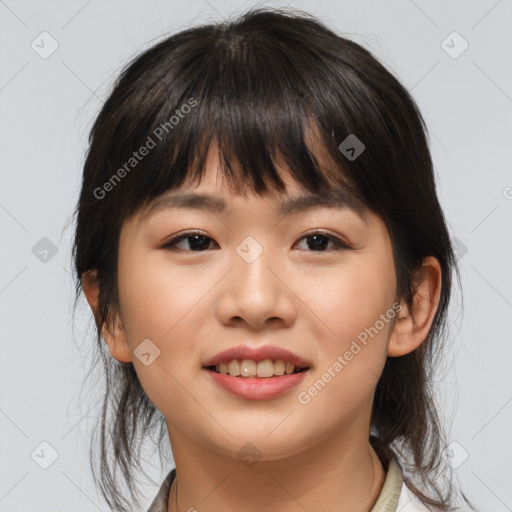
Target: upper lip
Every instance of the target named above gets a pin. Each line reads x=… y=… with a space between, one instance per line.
x=257 y=354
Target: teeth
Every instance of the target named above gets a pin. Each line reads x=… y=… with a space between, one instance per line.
x=279 y=367
x=265 y=368
x=233 y=368
x=250 y=368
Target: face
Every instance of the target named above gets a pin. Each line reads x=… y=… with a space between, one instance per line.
x=318 y=282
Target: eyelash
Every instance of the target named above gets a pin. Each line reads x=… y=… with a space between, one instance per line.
x=338 y=243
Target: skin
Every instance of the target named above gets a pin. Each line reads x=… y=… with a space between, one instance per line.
x=194 y=304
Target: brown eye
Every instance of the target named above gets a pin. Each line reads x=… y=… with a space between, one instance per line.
x=190 y=242
x=318 y=242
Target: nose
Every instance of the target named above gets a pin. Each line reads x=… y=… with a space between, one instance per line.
x=256 y=293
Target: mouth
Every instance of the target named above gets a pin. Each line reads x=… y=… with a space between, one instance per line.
x=251 y=369
x=257 y=380
x=262 y=362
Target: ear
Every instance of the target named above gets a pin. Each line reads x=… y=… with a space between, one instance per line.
x=112 y=331
x=413 y=325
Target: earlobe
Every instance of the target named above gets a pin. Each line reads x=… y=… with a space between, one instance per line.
x=115 y=337
x=413 y=324
x=112 y=330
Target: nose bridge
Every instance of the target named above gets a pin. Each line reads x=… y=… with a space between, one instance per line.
x=253 y=277
x=253 y=291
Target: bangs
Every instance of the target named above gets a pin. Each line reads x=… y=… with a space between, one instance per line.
x=250 y=150
x=257 y=101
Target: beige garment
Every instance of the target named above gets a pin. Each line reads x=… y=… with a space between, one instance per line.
x=390 y=493
x=387 y=501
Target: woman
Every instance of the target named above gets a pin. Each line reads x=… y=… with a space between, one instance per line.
x=260 y=240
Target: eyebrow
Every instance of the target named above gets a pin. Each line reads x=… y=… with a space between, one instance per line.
x=287 y=207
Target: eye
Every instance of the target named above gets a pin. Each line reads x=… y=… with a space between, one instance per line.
x=197 y=242
x=318 y=241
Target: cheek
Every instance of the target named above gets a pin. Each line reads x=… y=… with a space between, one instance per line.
x=158 y=305
x=351 y=298
x=169 y=305
x=353 y=354
x=355 y=304
x=156 y=298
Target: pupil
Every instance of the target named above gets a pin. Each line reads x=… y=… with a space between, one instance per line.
x=195 y=238
x=318 y=245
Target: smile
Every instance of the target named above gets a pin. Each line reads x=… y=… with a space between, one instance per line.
x=248 y=368
x=255 y=387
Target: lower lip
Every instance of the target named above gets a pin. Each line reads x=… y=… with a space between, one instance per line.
x=253 y=388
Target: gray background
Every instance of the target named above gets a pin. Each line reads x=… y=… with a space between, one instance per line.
x=47 y=106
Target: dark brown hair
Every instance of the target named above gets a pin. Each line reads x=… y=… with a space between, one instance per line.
x=271 y=86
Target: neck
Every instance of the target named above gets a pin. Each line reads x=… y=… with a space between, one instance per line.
x=344 y=474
